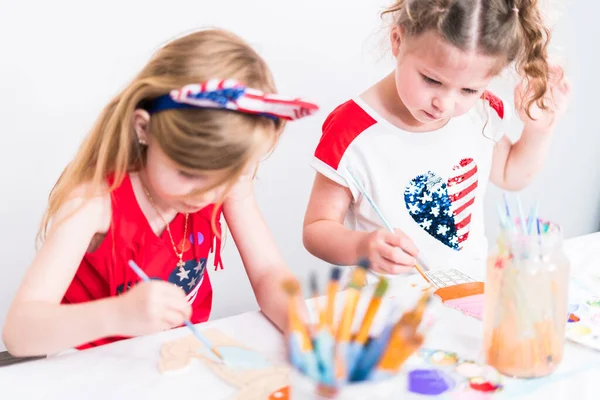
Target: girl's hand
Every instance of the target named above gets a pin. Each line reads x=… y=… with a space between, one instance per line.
x=557 y=99
x=390 y=253
x=151 y=307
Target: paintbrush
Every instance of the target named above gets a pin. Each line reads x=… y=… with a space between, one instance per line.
x=142 y=275
x=413 y=318
x=405 y=340
x=324 y=341
x=314 y=294
x=421 y=265
x=402 y=345
x=522 y=221
x=300 y=343
x=357 y=345
x=371 y=353
x=532 y=218
x=332 y=289
x=344 y=332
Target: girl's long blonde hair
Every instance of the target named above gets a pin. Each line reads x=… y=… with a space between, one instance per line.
x=196 y=139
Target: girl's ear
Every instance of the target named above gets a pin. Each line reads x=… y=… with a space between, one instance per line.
x=141 y=122
x=396 y=38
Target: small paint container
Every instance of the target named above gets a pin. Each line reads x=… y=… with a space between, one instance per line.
x=304 y=388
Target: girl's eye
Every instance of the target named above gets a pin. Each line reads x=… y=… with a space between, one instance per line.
x=187 y=175
x=470 y=91
x=430 y=81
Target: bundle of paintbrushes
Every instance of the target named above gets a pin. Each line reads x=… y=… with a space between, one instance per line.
x=333 y=355
x=526 y=296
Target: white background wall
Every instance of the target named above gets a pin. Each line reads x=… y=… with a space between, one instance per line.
x=61 y=61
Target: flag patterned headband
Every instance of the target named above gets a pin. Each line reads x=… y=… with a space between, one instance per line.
x=230 y=94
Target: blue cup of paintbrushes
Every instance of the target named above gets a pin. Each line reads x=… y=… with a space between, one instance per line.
x=332 y=362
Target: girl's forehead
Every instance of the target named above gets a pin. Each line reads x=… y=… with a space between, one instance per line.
x=450 y=63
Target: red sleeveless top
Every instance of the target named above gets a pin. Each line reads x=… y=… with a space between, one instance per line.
x=105 y=271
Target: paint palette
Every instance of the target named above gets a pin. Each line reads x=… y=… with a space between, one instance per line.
x=434 y=372
x=583 y=322
x=583 y=315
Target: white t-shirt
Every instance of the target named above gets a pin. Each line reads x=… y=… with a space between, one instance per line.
x=431 y=185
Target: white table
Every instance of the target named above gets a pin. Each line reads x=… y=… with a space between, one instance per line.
x=128 y=369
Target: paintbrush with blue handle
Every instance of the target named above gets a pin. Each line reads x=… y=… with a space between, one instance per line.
x=421 y=265
x=196 y=332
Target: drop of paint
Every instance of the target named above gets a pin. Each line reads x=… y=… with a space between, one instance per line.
x=280 y=394
x=593 y=303
x=573 y=318
x=429 y=382
x=482 y=385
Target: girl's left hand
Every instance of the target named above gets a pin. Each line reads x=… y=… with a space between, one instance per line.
x=557 y=99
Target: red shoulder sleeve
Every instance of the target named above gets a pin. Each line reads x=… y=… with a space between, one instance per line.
x=495 y=102
x=341 y=127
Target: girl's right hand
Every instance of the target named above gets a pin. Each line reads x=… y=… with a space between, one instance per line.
x=390 y=253
x=151 y=307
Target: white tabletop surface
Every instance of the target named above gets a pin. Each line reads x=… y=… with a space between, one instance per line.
x=128 y=369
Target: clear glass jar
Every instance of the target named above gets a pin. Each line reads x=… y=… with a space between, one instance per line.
x=526 y=303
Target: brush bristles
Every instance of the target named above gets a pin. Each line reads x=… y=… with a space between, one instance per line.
x=358 y=279
x=426 y=298
x=364 y=264
x=314 y=284
x=291 y=287
x=381 y=288
x=336 y=273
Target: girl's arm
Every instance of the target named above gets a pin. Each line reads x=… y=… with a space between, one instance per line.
x=264 y=264
x=515 y=165
x=326 y=237
x=324 y=234
x=36 y=323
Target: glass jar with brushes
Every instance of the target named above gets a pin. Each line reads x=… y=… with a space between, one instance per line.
x=526 y=299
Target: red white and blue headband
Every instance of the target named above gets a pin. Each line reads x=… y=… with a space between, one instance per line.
x=230 y=94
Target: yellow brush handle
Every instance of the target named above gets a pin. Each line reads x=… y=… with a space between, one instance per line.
x=345 y=329
x=296 y=326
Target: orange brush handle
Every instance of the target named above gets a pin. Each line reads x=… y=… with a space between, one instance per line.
x=363 y=332
x=398 y=351
x=332 y=289
x=420 y=271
